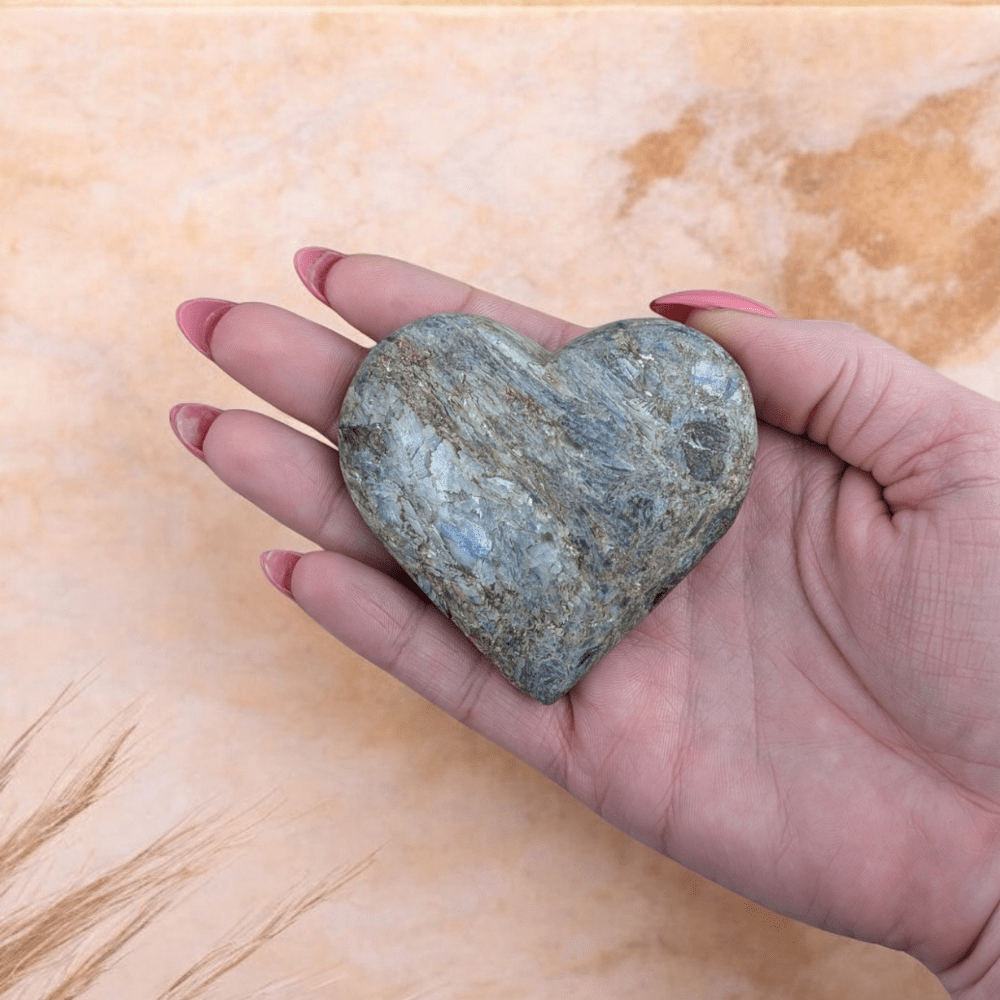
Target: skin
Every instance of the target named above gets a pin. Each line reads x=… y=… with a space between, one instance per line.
x=810 y=717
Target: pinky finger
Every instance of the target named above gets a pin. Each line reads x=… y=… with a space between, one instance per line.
x=404 y=634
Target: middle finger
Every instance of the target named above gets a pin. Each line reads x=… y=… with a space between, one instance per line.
x=301 y=367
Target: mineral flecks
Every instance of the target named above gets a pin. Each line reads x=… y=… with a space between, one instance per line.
x=546 y=502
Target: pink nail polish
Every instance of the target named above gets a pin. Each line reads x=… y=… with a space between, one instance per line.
x=197 y=319
x=679 y=305
x=312 y=264
x=277 y=565
x=190 y=422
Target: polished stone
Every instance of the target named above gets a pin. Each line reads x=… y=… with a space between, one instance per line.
x=547 y=501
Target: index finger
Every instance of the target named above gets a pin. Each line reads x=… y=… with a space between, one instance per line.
x=304 y=369
x=378 y=295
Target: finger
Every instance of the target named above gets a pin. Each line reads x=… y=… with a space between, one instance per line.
x=304 y=369
x=301 y=367
x=293 y=478
x=408 y=637
x=919 y=434
x=377 y=295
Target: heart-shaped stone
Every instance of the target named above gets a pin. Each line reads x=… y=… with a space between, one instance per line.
x=546 y=501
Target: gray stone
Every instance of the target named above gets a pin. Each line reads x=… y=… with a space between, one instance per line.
x=547 y=501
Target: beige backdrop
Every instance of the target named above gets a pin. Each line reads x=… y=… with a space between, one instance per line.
x=836 y=163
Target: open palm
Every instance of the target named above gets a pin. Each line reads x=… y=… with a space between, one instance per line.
x=811 y=716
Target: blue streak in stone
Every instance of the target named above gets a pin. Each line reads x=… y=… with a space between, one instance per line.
x=469 y=541
x=710 y=376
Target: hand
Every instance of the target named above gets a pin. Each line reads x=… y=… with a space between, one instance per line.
x=812 y=717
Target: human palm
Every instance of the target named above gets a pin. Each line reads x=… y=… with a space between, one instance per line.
x=810 y=717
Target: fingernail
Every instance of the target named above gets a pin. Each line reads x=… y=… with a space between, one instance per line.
x=312 y=265
x=197 y=319
x=277 y=565
x=191 y=422
x=679 y=305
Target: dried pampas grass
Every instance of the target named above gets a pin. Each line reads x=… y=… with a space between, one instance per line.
x=58 y=947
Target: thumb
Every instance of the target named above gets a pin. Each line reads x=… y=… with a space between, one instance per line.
x=918 y=433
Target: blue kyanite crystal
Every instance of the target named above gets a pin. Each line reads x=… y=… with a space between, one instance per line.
x=546 y=501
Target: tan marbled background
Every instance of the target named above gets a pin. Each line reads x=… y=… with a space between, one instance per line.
x=834 y=163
